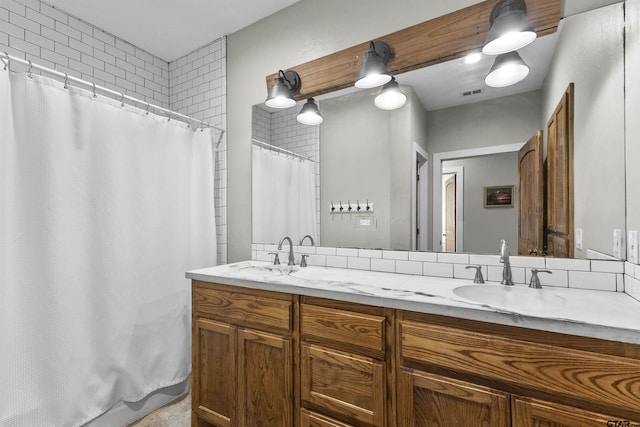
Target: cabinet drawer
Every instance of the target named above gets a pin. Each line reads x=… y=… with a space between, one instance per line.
x=347 y=327
x=242 y=308
x=311 y=419
x=528 y=412
x=346 y=386
x=556 y=370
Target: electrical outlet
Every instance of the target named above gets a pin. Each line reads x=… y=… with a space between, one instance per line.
x=578 y=238
x=632 y=247
x=617 y=243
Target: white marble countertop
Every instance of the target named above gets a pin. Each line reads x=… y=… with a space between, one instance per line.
x=598 y=314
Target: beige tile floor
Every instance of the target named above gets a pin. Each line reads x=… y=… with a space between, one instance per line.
x=174 y=414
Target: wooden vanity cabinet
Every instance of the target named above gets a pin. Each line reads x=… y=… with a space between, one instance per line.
x=243 y=357
x=457 y=372
x=346 y=374
x=275 y=359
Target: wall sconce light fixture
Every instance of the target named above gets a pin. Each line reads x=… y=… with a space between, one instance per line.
x=285 y=86
x=508 y=69
x=310 y=113
x=390 y=96
x=373 y=70
x=510 y=28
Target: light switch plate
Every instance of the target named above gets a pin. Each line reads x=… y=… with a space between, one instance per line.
x=632 y=247
x=617 y=243
x=578 y=238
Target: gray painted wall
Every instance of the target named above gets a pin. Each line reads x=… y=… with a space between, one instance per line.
x=366 y=154
x=484 y=227
x=632 y=114
x=590 y=54
x=507 y=120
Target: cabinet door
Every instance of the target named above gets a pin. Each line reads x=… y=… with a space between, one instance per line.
x=428 y=400
x=214 y=372
x=529 y=412
x=265 y=367
x=350 y=386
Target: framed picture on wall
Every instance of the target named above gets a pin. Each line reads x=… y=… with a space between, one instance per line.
x=498 y=196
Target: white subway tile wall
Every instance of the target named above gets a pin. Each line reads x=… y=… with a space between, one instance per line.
x=632 y=280
x=38 y=32
x=614 y=276
x=194 y=85
x=198 y=88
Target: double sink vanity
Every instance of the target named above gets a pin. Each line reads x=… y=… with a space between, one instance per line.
x=277 y=345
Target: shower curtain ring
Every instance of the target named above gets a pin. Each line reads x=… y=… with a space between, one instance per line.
x=29 y=70
x=121 y=99
x=66 y=80
x=94 y=91
x=148 y=108
x=7 y=63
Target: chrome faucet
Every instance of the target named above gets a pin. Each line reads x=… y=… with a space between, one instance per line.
x=310 y=239
x=291 y=259
x=504 y=258
x=535 y=280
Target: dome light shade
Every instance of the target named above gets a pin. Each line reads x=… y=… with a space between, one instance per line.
x=310 y=114
x=508 y=69
x=285 y=86
x=373 y=70
x=510 y=28
x=390 y=96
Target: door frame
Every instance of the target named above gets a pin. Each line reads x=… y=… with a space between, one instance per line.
x=436 y=178
x=421 y=219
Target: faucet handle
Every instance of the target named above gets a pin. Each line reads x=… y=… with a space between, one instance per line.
x=535 y=281
x=478 y=278
x=303 y=260
x=276 y=259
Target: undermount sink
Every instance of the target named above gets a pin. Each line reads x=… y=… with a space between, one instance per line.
x=516 y=298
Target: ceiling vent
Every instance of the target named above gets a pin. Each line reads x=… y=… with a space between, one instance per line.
x=472 y=92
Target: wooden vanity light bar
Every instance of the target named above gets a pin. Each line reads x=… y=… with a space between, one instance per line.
x=431 y=42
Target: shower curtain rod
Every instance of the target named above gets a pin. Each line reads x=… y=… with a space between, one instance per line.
x=8 y=59
x=282 y=150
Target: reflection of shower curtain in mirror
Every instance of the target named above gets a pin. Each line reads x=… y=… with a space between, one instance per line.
x=102 y=209
x=284 y=197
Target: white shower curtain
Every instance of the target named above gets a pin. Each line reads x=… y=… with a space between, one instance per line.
x=283 y=197
x=102 y=210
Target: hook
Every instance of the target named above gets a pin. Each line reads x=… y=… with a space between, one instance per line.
x=341 y=207
x=368 y=207
x=29 y=75
x=94 y=91
x=148 y=105
x=169 y=116
x=349 y=204
x=121 y=99
x=358 y=208
x=66 y=81
x=333 y=208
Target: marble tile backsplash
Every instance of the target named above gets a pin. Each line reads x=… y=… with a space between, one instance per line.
x=614 y=276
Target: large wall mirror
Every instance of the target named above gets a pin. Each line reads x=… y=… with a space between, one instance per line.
x=461 y=138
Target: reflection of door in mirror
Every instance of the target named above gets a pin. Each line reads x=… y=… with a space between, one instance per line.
x=530 y=197
x=560 y=178
x=450 y=215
